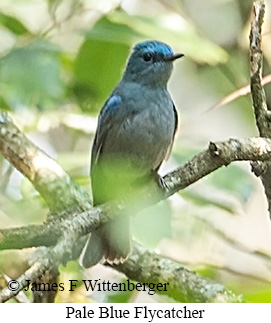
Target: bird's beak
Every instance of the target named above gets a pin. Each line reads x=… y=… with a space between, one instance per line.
x=172 y=58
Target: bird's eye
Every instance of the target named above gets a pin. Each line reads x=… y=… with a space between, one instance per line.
x=147 y=57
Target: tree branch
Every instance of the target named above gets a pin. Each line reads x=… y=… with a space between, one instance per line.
x=261 y=111
x=217 y=155
x=183 y=285
x=42 y=171
x=63 y=233
x=80 y=223
x=257 y=90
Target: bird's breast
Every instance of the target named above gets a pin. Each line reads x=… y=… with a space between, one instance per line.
x=147 y=129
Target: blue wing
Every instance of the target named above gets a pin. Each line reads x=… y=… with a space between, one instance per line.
x=105 y=122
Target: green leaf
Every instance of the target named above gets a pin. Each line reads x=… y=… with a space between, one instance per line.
x=258 y=296
x=98 y=69
x=13 y=24
x=31 y=76
x=108 y=30
x=207 y=271
x=176 y=31
x=100 y=61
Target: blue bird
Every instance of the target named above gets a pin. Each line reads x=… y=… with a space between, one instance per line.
x=135 y=133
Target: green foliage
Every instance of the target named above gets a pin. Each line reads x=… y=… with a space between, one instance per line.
x=258 y=296
x=97 y=69
x=172 y=29
x=207 y=271
x=43 y=75
x=13 y=24
x=100 y=61
x=30 y=76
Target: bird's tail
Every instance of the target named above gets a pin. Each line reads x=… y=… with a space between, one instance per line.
x=111 y=243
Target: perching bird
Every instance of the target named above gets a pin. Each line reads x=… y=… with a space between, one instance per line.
x=135 y=133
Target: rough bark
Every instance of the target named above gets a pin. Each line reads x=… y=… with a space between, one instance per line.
x=261 y=110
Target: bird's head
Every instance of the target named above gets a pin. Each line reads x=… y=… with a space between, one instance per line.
x=150 y=63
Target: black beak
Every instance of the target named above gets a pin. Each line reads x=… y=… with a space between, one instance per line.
x=173 y=57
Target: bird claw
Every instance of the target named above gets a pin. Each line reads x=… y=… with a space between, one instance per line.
x=163 y=184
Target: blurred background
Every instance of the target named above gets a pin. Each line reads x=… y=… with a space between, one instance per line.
x=60 y=59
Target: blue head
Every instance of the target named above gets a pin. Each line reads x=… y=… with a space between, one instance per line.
x=150 y=63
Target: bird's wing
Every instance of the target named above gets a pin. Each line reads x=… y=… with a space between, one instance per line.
x=175 y=129
x=108 y=112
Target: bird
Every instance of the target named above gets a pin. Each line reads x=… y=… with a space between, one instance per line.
x=135 y=134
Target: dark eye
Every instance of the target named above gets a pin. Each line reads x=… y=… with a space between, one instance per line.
x=147 y=57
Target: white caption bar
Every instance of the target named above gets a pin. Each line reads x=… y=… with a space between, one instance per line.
x=149 y=313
